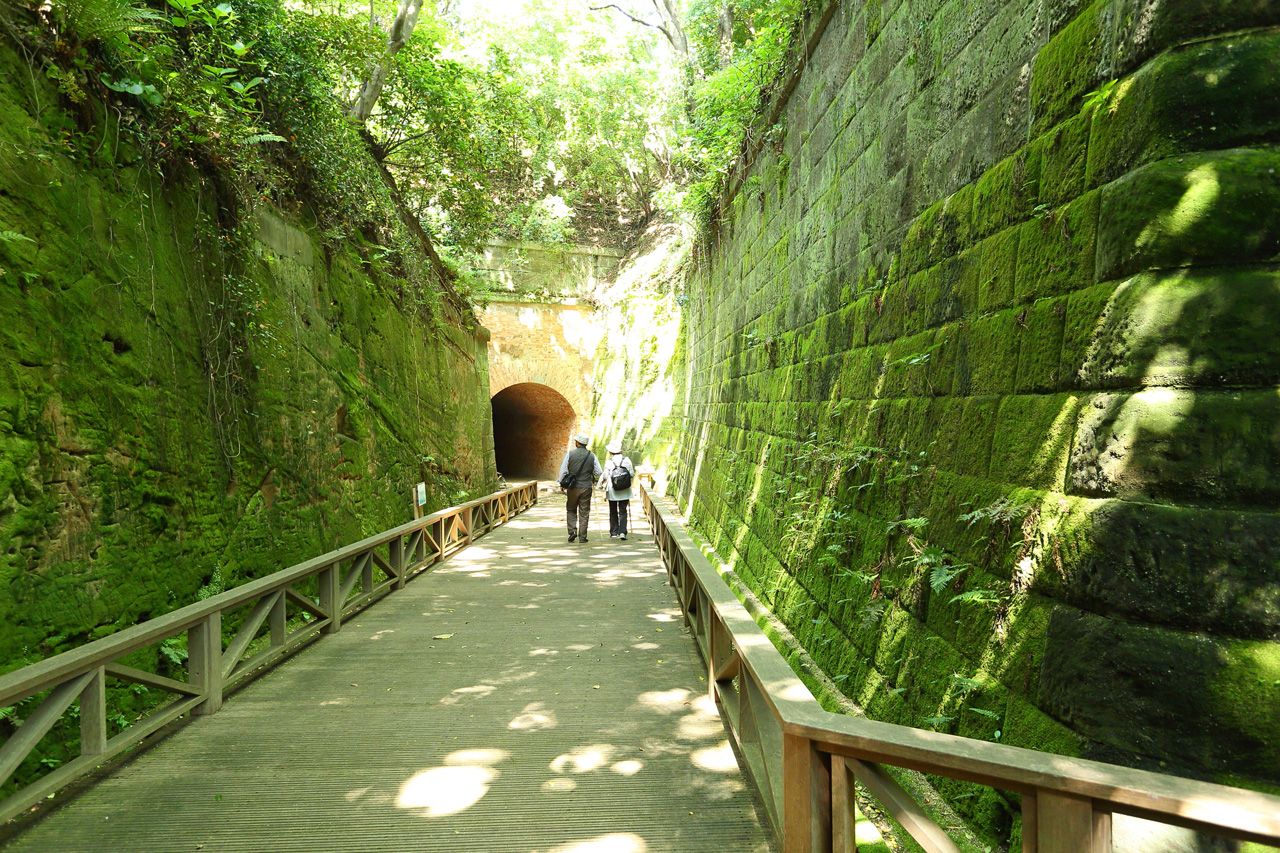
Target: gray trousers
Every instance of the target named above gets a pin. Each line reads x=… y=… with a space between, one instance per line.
x=578 y=510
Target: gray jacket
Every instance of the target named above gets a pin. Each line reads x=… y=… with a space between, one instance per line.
x=585 y=473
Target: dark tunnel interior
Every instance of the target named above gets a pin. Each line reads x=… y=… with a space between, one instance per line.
x=532 y=424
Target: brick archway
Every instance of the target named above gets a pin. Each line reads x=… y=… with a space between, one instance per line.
x=532 y=424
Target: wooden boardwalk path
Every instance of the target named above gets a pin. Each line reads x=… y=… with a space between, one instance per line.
x=527 y=695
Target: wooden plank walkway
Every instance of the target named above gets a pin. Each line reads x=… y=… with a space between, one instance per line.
x=528 y=695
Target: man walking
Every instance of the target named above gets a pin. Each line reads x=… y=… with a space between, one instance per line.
x=578 y=473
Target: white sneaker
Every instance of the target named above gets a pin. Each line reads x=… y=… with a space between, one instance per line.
x=622 y=536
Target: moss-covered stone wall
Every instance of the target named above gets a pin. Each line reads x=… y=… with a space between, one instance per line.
x=187 y=402
x=980 y=383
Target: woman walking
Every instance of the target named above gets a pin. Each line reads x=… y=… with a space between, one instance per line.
x=619 y=471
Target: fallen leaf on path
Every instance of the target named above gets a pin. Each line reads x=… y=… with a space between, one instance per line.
x=442 y=636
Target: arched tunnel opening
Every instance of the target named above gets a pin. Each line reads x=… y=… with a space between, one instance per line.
x=532 y=424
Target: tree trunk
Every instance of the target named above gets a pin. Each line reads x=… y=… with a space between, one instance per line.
x=401 y=30
x=675 y=33
x=724 y=33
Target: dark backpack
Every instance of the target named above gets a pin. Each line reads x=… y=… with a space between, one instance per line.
x=621 y=478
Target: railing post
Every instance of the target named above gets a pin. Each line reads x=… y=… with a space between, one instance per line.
x=844 y=820
x=330 y=583
x=1069 y=824
x=204 y=662
x=806 y=797
x=279 y=620
x=397 y=561
x=468 y=519
x=93 y=714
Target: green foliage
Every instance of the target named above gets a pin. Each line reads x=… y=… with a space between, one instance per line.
x=1002 y=511
x=914 y=359
x=912 y=525
x=1100 y=97
x=215 y=586
x=732 y=76
x=942 y=576
x=977 y=598
x=593 y=109
x=174 y=651
x=14 y=237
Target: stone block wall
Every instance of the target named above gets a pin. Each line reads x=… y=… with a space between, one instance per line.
x=980 y=389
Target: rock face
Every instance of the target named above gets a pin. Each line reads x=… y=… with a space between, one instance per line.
x=183 y=408
x=980 y=375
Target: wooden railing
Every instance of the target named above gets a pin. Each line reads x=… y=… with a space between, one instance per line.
x=806 y=761
x=284 y=611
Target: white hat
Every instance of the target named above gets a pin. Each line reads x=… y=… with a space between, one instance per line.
x=582 y=438
x=614 y=447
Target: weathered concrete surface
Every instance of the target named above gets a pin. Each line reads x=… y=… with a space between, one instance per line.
x=549 y=344
x=544 y=335
x=527 y=696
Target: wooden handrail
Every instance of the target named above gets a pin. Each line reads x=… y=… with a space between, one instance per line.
x=78 y=674
x=21 y=683
x=807 y=777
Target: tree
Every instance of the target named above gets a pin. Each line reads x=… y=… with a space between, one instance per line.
x=668 y=23
x=401 y=30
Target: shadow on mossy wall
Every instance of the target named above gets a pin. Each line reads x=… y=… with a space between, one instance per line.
x=991 y=423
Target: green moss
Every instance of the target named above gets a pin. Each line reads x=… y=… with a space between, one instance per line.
x=1188 y=21
x=1032 y=440
x=1040 y=350
x=1056 y=250
x=998 y=265
x=1181 y=328
x=941 y=231
x=1161 y=443
x=1081 y=336
x=1067 y=67
x=987 y=354
x=1027 y=726
x=1213 y=95
x=908 y=362
x=202 y=412
x=964 y=445
x=1062 y=154
x=1006 y=193
x=1189 y=568
x=1194 y=210
x=1189 y=719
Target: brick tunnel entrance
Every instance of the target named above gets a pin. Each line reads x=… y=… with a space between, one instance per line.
x=531 y=428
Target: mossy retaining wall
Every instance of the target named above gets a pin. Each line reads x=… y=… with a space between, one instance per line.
x=183 y=408
x=1000 y=292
